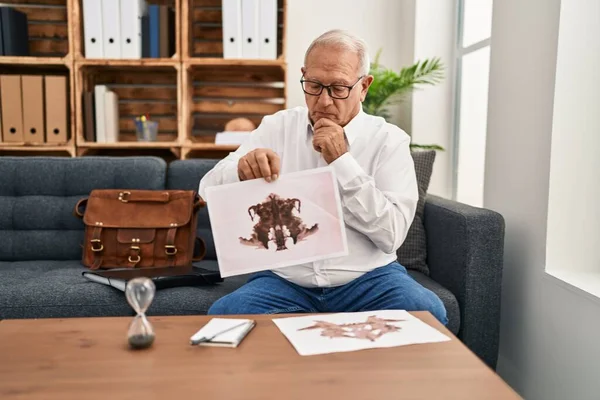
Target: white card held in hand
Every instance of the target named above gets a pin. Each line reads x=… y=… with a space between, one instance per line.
x=259 y=226
x=332 y=333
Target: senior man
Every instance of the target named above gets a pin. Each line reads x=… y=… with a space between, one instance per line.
x=376 y=180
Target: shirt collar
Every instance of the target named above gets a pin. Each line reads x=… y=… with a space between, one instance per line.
x=351 y=130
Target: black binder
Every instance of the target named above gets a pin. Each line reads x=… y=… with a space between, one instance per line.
x=15 y=37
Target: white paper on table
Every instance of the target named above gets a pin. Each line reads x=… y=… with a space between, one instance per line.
x=231 y=219
x=310 y=342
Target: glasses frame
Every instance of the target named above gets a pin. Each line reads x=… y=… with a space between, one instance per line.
x=328 y=87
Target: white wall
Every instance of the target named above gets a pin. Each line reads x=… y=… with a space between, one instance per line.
x=573 y=214
x=405 y=30
x=432 y=107
x=549 y=334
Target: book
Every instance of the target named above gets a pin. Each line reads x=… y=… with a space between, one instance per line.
x=223 y=332
x=163 y=278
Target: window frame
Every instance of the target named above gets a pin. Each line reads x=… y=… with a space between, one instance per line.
x=459 y=54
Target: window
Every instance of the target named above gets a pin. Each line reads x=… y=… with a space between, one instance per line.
x=472 y=78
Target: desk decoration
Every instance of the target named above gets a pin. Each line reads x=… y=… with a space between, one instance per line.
x=140 y=293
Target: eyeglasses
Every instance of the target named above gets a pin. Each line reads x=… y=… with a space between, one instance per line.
x=315 y=88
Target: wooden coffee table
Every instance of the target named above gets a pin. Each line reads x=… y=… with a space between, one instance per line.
x=88 y=358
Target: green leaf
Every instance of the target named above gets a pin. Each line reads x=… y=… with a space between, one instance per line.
x=426 y=147
x=390 y=87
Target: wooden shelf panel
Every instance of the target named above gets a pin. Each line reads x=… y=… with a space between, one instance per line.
x=211 y=146
x=37 y=149
x=231 y=62
x=43 y=61
x=141 y=62
x=129 y=145
x=35 y=146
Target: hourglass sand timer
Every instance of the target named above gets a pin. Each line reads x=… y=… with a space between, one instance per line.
x=140 y=293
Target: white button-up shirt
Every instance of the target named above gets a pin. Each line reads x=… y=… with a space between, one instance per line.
x=376 y=180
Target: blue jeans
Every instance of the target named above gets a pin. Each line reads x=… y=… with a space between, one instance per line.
x=386 y=288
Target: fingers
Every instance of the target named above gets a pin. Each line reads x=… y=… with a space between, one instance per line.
x=323 y=122
x=317 y=143
x=274 y=163
x=244 y=170
x=263 y=165
x=259 y=163
x=253 y=162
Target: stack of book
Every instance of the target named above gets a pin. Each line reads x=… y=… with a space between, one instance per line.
x=101 y=115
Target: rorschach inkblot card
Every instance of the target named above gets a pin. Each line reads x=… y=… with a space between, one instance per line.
x=259 y=225
x=342 y=332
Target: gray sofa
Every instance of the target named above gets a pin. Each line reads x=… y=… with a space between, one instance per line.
x=41 y=239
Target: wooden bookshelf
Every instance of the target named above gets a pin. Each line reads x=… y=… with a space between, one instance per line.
x=191 y=94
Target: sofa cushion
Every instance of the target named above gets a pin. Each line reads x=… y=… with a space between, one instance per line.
x=53 y=289
x=37 y=196
x=450 y=302
x=186 y=175
x=413 y=252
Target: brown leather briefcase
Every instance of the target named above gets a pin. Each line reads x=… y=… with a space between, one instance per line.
x=140 y=228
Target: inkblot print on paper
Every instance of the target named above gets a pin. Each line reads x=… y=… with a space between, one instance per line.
x=372 y=329
x=277 y=222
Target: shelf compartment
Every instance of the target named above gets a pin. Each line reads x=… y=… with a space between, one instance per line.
x=45 y=70
x=212 y=97
x=78 y=32
x=203 y=29
x=47 y=26
x=152 y=90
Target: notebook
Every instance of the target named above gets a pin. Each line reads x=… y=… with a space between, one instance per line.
x=163 y=278
x=223 y=332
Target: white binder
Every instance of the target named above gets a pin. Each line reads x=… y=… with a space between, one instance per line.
x=111 y=29
x=111 y=114
x=92 y=29
x=232 y=28
x=250 y=28
x=267 y=29
x=131 y=28
x=99 y=92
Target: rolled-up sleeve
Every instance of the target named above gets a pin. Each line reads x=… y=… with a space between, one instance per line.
x=381 y=206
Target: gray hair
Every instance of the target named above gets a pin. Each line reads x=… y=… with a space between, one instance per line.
x=347 y=41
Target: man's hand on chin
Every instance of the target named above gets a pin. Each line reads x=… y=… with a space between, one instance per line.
x=329 y=139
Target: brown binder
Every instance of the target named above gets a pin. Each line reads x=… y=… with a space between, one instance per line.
x=56 y=109
x=12 y=108
x=33 y=108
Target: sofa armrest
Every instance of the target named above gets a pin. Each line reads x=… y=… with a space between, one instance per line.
x=465 y=247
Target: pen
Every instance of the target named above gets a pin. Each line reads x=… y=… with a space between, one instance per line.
x=208 y=339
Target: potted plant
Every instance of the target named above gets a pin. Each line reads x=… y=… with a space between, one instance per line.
x=389 y=87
